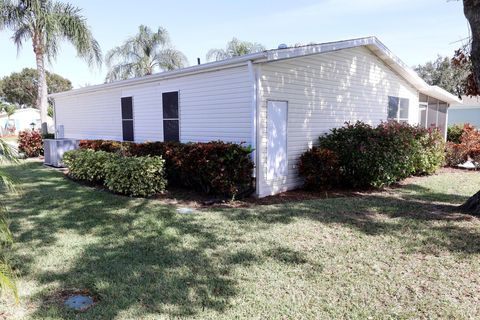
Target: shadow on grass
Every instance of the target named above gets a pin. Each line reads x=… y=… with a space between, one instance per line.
x=427 y=214
x=142 y=256
x=134 y=255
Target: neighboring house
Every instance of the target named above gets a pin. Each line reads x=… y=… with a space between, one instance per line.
x=466 y=112
x=21 y=120
x=278 y=101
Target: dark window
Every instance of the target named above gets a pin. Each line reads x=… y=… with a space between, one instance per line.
x=398 y=109
x=127 y=108
x=127 y=127
x=171 y=128
x=170 y=105
x=127 y=119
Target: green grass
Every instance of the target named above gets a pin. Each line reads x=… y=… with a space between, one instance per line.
x=402 y=253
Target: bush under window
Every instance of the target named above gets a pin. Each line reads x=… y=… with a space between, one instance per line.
x=369 y=156
x=213 y=167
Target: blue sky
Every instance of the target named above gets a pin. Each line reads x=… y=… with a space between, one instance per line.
x=415 y=30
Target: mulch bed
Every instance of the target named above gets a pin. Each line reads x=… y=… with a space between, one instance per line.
x=190 y=198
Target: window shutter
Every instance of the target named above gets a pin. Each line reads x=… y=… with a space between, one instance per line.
x=127 y=119
x=171 y=124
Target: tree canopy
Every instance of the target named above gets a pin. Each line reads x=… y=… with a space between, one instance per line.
x=234 y=48
x=21 y=87
x=443 y=73
x=143 y=54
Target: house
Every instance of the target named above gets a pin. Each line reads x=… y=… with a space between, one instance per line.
x=278 y=101
x=21 y=120
x=466 y=112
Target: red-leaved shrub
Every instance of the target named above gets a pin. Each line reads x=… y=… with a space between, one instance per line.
x=30 y=142
x=212 y=167
x=320 y=168
x=468 y=147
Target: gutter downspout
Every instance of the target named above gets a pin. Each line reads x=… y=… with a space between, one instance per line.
x=253 y=79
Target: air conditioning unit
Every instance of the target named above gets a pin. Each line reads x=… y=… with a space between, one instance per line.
x=55 y=148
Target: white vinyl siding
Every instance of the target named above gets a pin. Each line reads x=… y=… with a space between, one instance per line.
x=214 y=105
x=324 y=91
x=90 y=116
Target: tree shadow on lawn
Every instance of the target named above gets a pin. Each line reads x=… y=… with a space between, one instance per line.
x=145 y=258
x=137 y=255
x=434 y=225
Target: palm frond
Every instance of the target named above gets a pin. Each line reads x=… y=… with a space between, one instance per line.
x=170 y=59
x=216 y=55
x=120 y=71
x=234 y=48
x=143 y=54
x=66 y=21
x=7 y=279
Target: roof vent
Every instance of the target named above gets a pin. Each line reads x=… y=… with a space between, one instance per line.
x=282 y=46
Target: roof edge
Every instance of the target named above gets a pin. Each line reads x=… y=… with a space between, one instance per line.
x=371 y=42
x=206 y=67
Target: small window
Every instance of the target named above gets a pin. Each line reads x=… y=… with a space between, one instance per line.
x=171 y=125
x=127 y=119
x=398 y=109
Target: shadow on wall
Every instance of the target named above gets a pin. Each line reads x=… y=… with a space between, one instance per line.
x=337 y=88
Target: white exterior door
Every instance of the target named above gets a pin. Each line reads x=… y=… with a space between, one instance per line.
x=277 y=112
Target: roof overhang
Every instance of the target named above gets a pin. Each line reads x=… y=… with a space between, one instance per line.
x=372 y=43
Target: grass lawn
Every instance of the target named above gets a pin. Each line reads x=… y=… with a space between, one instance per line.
x=401 y=253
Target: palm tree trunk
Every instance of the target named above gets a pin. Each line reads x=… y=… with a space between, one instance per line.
x=42 y=99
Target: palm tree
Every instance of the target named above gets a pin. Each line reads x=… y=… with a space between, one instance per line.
x=234 y=48
x=46 y=23
x=143 y=54
x=7 y=279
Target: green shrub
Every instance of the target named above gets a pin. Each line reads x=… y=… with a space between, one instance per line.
x=213 y=167
x=379 y=156
x=135 y=176
x=454 y=133
x=30 y=142
x=87 y=165
x=429 y=152
x=320 y=168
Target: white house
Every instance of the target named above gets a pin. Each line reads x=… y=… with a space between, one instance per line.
x=21 y=120
x=278 y=101
x=466 y=112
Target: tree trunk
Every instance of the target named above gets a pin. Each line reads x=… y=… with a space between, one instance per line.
x=471 y=9
x=472 y=205
x=42 y=99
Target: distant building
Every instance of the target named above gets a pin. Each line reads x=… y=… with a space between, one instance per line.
x=467 y=112
x=21 y=120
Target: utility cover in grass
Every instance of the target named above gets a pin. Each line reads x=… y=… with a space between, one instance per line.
x=185 y=210
x=79 y=302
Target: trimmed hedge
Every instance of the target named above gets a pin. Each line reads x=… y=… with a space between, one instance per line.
x=320 y=167
x=212 y=167
x=367 y=156
x=87 y=165
x=134 y=176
